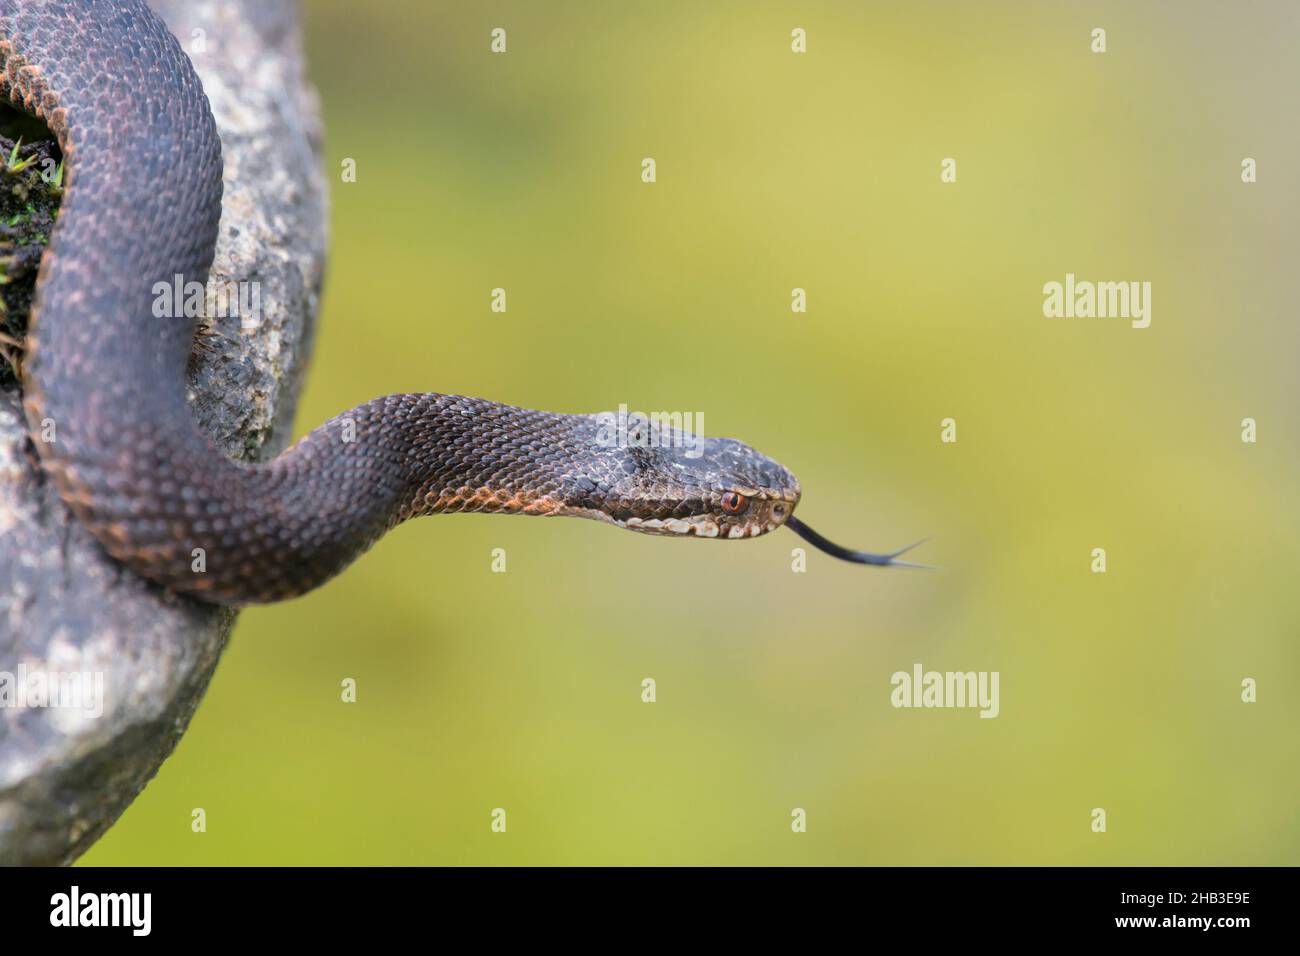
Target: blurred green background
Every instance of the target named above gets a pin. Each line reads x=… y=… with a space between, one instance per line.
x=523 y=690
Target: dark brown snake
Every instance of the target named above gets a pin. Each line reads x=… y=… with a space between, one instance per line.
x=105 y=378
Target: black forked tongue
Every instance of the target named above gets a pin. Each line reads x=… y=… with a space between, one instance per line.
x=847 y=554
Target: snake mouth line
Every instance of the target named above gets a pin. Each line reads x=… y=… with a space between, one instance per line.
x=702 y=526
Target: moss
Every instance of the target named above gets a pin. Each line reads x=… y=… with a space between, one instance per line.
x=30 y=192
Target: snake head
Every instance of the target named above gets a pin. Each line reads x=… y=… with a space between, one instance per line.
x=706 y=487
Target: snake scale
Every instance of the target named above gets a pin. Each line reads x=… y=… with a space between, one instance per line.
x=104 y=378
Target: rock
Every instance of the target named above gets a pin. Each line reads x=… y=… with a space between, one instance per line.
x=65 y=606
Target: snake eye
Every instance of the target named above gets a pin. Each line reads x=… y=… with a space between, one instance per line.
x=733 y=503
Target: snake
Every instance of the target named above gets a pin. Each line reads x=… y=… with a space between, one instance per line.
x=104 y=376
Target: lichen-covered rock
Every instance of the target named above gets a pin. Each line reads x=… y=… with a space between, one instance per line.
x=66 y=773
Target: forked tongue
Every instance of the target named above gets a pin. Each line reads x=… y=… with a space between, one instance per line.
x=848 y=554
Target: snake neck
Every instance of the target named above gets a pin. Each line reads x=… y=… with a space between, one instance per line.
x=228 y=532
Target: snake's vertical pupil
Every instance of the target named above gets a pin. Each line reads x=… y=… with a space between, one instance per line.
x=733 y=503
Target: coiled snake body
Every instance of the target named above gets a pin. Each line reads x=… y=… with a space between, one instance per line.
x=143 y=181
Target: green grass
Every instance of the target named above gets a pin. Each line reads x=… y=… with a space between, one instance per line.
x=31 y=188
